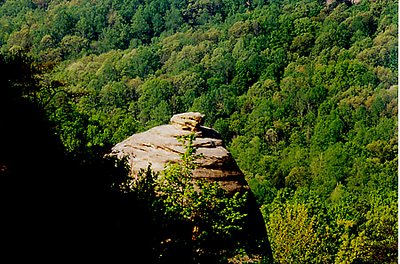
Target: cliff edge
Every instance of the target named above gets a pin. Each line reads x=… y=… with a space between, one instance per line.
x=159 y=146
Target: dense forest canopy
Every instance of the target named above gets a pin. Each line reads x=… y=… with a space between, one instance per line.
x=304 y=93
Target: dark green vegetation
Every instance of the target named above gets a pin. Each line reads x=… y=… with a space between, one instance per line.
x=58 y=205
x=304 y=94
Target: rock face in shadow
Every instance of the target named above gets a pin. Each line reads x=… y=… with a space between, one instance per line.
x=159 y=146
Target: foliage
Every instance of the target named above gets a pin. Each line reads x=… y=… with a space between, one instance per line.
x=208 y=217
x=65 y=198
x=291 y=232
x=303 y=92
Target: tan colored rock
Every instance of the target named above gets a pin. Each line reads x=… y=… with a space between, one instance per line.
x=159 y=146
x=353 y=2
x=188 y=121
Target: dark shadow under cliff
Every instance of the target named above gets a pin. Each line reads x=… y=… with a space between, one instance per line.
x=65 y=207
x=56 y=207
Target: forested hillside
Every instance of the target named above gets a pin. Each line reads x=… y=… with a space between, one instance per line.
x=303 y=92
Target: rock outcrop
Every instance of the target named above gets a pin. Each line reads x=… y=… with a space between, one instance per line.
x=348 y=2
x=159 y=146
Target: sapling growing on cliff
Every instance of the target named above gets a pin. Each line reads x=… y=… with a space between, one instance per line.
x=194 y=214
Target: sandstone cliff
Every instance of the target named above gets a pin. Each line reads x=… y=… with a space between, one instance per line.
x=159 y=145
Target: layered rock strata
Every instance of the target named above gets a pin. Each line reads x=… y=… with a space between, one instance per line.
x=159 y=146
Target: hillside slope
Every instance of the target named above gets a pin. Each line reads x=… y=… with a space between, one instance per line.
x=304 y=93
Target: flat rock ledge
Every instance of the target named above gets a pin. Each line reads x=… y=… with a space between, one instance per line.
x=159 y=146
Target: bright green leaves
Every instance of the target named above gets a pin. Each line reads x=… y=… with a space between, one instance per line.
x=304 y=228
x=155 y=102
x=293 y=235
x=304 y=94
x=139 y=27
x=173 y=19
x=203 y=203
x=208 y=218
x=328 y=131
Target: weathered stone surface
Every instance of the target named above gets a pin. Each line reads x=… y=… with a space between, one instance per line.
x=188 y=121
x=159 y=145
x=350 y=2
